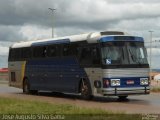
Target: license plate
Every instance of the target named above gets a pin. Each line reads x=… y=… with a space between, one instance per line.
x=129 y=82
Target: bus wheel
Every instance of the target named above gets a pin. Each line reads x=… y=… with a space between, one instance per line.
x=26 y=87
x=122 y=97
x=85 y=90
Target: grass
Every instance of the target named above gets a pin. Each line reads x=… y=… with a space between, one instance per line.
x=14 y=106
x=155 y=89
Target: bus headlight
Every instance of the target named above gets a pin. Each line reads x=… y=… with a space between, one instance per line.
x=144 y=81
x=115 y=82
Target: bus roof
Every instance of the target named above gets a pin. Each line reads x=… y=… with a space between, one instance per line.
x=73 y=38
x=89 y=37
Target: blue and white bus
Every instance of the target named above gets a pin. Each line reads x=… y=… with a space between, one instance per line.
x=109 y=63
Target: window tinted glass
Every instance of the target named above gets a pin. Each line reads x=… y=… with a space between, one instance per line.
x=120 y=53
x=90 y=55
x=39 y=52
x=53 y=50
x=26 y=53
x=11 y=55
x=70 y=50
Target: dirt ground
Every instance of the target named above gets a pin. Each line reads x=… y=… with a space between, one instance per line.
x=155 y=83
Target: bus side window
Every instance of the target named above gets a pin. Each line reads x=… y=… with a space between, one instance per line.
x=44 y=52
x=11 y=54
x=39 y=52
x=14 y=54
x=17 y=54
x=95 y=55
x=85 y=57
x=90 y=56
x=70 y=50
x=52 y=51
x=66 y=50
x=26 y=53
x=74 y=50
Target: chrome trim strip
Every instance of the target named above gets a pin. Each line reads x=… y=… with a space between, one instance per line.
x=127 y=89
x=119 y=91
x=126 y=92
x=126 y=72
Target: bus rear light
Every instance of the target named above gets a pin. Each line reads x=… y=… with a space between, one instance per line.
x=106 y=83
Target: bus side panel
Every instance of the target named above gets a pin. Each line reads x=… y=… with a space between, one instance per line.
x=16 y=73
x=55 y=74
x=71 y=74
x=94 y=74
x=39 y=73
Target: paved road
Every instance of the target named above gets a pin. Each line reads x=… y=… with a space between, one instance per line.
x=4 y=88
x=134 y=104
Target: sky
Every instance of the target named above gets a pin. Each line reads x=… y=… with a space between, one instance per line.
x=24 y=20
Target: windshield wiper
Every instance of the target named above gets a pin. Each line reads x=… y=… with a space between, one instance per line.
x=134 y=57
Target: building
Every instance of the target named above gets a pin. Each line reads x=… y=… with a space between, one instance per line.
x=4 y=74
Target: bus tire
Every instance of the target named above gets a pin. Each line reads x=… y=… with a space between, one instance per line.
x=33 y=92
x=26 y=88
x=85 y=90
x=122 y=97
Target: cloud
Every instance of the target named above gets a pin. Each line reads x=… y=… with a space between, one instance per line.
x=4 y=51
x=32 y=32
x=155 y=57
x=10 y=33
x=80 y=13
x=132 y=1
x=23 y=20
x=3 y=59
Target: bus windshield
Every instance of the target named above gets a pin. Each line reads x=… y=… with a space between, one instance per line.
x=115 y=53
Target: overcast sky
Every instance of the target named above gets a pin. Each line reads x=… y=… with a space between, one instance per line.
x=23 y=20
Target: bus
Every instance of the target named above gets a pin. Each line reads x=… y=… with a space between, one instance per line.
x=109 y=63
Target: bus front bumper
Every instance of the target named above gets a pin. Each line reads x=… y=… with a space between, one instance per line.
x=125 y=91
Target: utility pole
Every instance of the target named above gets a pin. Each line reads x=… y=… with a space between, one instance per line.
x=151 y=53
x=52 y=10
